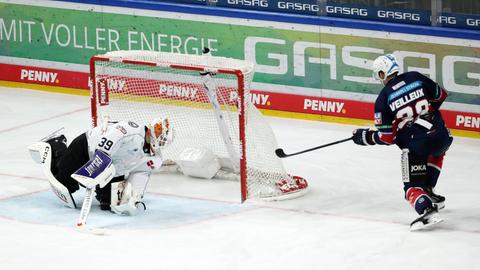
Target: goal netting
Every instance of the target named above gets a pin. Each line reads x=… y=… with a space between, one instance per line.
x=207 y=101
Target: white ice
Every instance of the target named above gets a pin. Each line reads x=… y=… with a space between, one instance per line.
x=354 y=216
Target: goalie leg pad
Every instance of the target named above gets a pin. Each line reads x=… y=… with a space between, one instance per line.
x=103 y=195
x=42 y=152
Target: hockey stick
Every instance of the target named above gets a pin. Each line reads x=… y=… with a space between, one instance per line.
x=282 y=154
x=82 y=219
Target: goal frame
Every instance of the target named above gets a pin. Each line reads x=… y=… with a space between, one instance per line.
x=241 y=101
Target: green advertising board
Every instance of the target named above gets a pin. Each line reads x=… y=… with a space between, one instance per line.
x=295 y=57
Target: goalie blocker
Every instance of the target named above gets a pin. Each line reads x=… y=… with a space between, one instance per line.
x=98 y=171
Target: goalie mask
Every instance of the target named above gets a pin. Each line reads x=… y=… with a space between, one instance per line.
x=161 y=134
x=386 y=64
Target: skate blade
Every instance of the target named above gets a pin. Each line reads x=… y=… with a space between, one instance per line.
x=440 y=205
x=419 y=225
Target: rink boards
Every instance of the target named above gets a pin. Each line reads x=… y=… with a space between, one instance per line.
x=306 y=67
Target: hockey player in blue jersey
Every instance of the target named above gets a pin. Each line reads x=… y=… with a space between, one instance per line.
x=407 y=114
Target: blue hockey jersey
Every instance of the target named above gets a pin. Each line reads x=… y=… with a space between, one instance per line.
x=405 y=97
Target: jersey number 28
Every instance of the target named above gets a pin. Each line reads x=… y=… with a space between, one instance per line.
x=421 y=108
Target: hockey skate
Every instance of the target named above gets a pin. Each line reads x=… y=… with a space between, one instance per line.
x=429 y=218
x=437 y=199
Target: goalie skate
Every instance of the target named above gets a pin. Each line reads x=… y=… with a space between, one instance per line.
x=428 y=219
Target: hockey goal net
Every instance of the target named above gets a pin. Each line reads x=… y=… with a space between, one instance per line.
x=207 y=102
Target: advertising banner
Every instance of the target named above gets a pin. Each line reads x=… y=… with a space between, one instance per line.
x=318 y=63
x=330 y=8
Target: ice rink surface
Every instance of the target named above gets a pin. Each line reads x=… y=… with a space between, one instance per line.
x=354 y=216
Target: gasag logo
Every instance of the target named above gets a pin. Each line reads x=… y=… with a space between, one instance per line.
x=347 y=10
x=250 y=3
x=297 y=6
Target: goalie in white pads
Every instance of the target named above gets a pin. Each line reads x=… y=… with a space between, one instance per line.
x=115 y=158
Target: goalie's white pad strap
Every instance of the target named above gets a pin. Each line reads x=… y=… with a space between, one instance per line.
x=139 y=181
x=41 y=152
x=97 y=171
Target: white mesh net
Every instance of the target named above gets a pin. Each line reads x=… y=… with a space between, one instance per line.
x=129 y=90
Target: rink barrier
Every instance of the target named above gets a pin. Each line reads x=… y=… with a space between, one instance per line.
x=348 y=120
x=68 y=37
x=352 y=21
x=77 y=80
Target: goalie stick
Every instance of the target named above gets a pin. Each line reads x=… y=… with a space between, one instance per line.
x=81 y=225
x=281 y=154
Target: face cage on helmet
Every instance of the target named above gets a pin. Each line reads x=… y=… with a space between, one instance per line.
x=160 y=135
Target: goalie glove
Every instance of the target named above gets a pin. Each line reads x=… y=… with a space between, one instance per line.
x=364 y=136
x=125 y=200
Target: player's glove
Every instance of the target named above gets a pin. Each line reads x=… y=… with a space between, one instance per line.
x=363 y=136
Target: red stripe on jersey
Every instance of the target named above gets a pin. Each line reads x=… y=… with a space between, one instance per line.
x=443 y=95
x=386 y=137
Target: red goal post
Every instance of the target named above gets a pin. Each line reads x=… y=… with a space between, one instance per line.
x=207 y=101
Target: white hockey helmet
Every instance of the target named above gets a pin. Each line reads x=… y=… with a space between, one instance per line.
x=161 y=133
x=387 y=64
